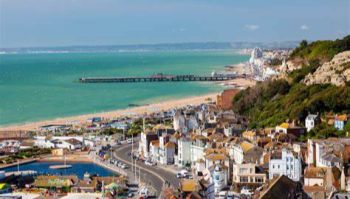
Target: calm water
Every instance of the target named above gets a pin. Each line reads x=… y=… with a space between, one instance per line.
x=77 y=169
x=44 y=86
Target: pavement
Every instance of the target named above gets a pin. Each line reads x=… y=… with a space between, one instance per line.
x=151 y=175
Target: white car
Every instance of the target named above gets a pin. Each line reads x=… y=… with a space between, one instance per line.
x=149 y=163
x=124 y=166
x=246 y=191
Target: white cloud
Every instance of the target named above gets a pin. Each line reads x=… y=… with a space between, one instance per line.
x=304 y=27
x=252 y=27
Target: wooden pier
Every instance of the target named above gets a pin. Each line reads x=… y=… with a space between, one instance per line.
x=156 y=78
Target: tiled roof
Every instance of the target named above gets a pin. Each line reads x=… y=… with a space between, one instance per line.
x=216 y=156
x=155 y=143
x=246 y=146
x=188 y=185
x=284 y=125
x=280 y=187
x=342 y=117
x=315 y=172
x=249 y=133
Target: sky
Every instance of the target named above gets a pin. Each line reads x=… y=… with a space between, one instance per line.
x=38 y=23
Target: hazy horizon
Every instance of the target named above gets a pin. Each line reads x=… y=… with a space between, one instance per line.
x=55 y=23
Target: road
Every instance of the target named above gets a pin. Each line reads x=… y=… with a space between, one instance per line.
x=151 y=175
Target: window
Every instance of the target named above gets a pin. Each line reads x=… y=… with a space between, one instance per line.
x=243 y=179
x=259 y=180
x=278 y=166
x=291 y=166
x=273 y=166
x=287 y=167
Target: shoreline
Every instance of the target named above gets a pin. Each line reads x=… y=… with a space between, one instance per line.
x=144 y=109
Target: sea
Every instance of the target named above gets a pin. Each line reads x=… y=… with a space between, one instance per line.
x=44 y=85
x=78 y=168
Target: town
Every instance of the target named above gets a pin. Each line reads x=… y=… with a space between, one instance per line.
x=205 y=151
x=285 y=137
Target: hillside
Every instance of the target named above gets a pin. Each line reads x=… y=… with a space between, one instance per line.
x=336 y=71
x=271 y=102
x=322 y=51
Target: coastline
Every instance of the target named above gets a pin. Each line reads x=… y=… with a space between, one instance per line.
x=145 y=109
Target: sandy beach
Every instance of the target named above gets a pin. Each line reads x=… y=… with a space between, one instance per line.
x=151 y=108
x=146 y=109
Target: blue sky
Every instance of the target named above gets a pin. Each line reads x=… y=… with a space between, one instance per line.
x=29 y=23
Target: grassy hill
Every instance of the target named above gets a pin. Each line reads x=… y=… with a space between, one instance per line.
x=320 y=50
x=271 y=102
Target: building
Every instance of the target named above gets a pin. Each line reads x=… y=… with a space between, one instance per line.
x=285 y=162
x=311 y=120
x=328 y=152
x=198 y=145
x=166 y=150
x=340 y=121
x=290 y=128
x=220 y=177
x=71 y=144
x=246 y=152
x=179 y=122
x=184 y=151
x=154 y=151
x=224 y=100
x=315 y=176
x=248 y=174
x=145 y=140
x=167 y=153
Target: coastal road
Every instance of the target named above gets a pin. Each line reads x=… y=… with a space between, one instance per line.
x=153 y=175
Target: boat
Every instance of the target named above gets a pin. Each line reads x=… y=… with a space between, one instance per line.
x=60 y=166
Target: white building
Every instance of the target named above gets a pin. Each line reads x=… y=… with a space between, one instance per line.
x=71 y=144
x=179 y=121
x=144 y=144
x=220 y=177
x=197 y=148
x=66 y=142
x=327 y=152
x=154 y=151
x=285 y=162
x=310 y=121
x=184 y=151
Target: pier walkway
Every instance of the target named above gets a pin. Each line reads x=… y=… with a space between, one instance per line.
x=156 y=78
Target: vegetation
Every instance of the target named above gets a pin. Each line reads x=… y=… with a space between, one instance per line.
x=320 y=50
x=272 y=102
x=24 y=154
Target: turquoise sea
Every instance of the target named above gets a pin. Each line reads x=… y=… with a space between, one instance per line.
x=44 y=86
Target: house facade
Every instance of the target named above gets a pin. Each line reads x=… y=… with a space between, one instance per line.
x=285 y=162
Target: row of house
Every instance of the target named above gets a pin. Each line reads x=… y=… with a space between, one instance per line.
x=63 y=142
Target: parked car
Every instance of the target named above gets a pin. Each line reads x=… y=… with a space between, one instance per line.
x=182 y=174
x=150 y=163
x=124 y=166
x=179 y=175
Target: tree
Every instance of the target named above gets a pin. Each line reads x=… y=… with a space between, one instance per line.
x=303 y=44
